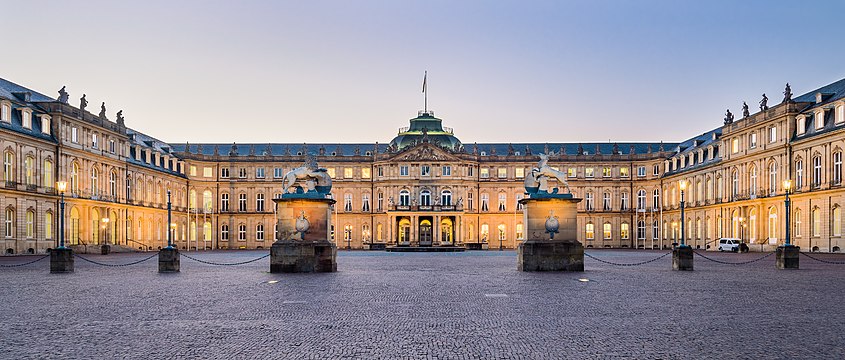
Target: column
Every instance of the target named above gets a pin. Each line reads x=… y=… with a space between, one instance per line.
x=435 y=229
x=414 y=224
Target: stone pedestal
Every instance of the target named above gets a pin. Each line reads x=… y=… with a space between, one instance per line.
x=105 y=249
x=168 y=260
x=61 y=260
x=786 y=257
x=303 y=257
x=550 y=251
x=303 y=251
x=682 y=258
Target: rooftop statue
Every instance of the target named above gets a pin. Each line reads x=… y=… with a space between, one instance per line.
x=745 y=110
x=537 y=181
x=787 y=94
x=120 y=119
x=103 y=110
x=729 y=117
x=82 y=103
x=317 y=179
x=63 y=95
x=764 y=103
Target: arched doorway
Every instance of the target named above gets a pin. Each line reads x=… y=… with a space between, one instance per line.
x=95 y=227
x=425 y=236
x=446 y=231
x=112 y=224
x=74 y=227
x=404 y=233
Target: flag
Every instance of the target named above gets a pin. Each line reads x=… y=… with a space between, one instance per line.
x=425 y=77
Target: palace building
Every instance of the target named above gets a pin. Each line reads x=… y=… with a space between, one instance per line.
x=425 y=187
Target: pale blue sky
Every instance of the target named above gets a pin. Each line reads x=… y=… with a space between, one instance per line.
x=351 y=71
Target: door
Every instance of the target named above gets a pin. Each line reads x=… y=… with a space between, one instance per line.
x=425 y=233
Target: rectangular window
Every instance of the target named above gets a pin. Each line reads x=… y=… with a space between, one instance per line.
x=502 y=201
x=623 y=172
x=572 y=172
x=502 y=172
x=752 y=140
x=655 y=170
x=425 y=170
x=259 y=173
x=840 y=114
x=6 y=114
x=446 y=170
x=800 y=125
x=347 y=173
x=242 y=173
x=641 y=171
x=365 y=173
x=224 y=173
x=95 y=141
x=519 y=172
x=111 y=146
x=278 y=173
x=773 y=134
x=819 y=118
x=193 y=170
x=589 y=172
x=27 y=120
x=485 y=173
x=403 y=170
x=242 y=202
x=331 y=172
x=485 y=201
x=734 y=145
x=380 y=171
x=470 y=171
x=206 y=171
x=74 y=135
x=259 y=202
x=606 y=172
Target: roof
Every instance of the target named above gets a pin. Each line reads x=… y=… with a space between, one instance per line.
x=8 y=88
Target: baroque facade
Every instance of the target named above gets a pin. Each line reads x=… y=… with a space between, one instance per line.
x=423 y=188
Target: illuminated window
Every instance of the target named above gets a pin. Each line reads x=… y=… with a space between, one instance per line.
x=519 y=172
x=590 y=231
x=30 y=224
x=502 y=201
x=502 y=172
x=206 y=172
x=347 y=173
x=485 y=173
x=365 y=173
x=589 y=172
x=48 y=225
x=607 y=232
x=519 y=232
x=623 y=172
x=624 y=230
x=572 y=172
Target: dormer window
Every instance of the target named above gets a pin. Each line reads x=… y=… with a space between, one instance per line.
x=517 y=153
x=45 y=124
x=6 y=112
x=819 y=117
x=800 y=124
x=483 y=153
x=840 y=114
x=26 y=118
x=819 y=98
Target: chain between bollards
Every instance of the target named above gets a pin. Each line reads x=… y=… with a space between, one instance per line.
x=115 y=265
x=823 y=261
x=223 y=264
x=733 y=263
x=26 y=263
x=623 y=264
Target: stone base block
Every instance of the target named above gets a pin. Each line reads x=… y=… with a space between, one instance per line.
x=682 y=258
x=168 y=260
x=303 y=257
x=786 y=257
x=563 y=255
x=61 y=260
x=105 y=249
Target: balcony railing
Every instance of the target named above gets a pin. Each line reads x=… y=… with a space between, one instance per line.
x=11 y=185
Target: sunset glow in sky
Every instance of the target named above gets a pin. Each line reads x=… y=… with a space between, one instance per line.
x=351 y=71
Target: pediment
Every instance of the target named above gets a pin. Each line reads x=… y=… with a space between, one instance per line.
x=424 y=152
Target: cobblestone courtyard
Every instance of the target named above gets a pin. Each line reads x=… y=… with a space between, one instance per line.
x=394 y=305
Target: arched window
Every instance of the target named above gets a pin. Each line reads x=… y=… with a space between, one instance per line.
x=47 y=174
x=837 y=167
x=95 y=180
x=520 y=233
x=192 y=231
x=206 y=231
x=817 y=222
x=347 y=202
x=224 y=232
x=224 y=202
x=207 y=201
x=503 y=198
x=192 y=199
x=590 y=231
x=446 y=198
x=590 y=202
x=708 y=188
x=259 y=232
x=242 y=232
x=29 y=170
x=347 y=233
x=837 y=220
x=797 y=222
x=365 y=202
x=113 y=183
x=485 y=202
x=485 y=232
x=655 y=199
x=606 y=204
x=425 y=198
x=719 y=226
x=640 y=230
x=8 y=166
x=74 y=226
x=641 y=199
x=698 y=228
x=48 y=225
x=773 y=223
x=817 y=170
x=799 y=174
x=404 y=198
x=30 y=224
x=734 y=184
x=624 y=230
x=752 y=225
x=773 y=178
x=655 y=230
x=10 y=222
x=752 y=183
x=380 y=232
x=607 y=231
x=365 y=233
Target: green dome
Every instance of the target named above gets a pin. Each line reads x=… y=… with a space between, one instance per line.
x=425 y=128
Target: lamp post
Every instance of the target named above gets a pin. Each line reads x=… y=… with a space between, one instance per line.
x=61 y=186
x=172 y=230
x=683 y=186
x=741 y=229
x=787 y=185
x=169 y=221
x=105 y=222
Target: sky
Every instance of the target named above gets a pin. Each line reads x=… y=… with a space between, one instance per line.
x=351 y=71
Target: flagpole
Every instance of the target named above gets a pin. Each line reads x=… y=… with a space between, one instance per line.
x=425 y=93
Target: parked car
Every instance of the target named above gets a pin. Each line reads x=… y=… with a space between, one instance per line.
x=729 y=244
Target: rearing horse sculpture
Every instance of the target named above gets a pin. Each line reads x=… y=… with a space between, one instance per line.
x=538 y=179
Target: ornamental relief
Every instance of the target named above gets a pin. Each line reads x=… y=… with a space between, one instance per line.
x=425 y=153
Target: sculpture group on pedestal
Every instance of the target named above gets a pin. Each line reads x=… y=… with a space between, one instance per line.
x=537 y=181
x=317 y=179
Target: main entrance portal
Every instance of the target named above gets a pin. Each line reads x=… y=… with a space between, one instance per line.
x=425 y=232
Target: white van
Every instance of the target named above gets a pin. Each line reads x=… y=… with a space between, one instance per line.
x=729 y=244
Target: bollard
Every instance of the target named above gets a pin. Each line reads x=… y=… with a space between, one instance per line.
x=682 y=258
x=61 y=260
x=168 y=260
x=786 y=257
